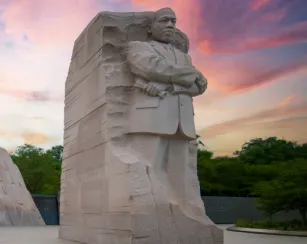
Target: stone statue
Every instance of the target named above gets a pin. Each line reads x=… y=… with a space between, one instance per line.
x=129 y=170
x=17 y=207
x=162 y=115
x=168 y=81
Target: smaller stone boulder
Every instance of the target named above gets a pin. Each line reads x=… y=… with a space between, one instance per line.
x=17 y=207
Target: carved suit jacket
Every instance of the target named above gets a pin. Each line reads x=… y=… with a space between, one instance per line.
x=162 y=64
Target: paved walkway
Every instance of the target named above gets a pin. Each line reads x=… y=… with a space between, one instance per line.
x=48 y=235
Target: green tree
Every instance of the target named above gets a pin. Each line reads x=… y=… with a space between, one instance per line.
x=288 y=191
x=266 y=151
x=56 y=152
x=38 y=169
x=206 y=173
x=268 y=203
x=221 y=176
x=231 y=175
x=301 y=151
x=255 y=163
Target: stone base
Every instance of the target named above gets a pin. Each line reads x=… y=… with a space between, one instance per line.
x=139 y=212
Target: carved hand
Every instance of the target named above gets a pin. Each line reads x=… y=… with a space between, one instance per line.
x=151 y=90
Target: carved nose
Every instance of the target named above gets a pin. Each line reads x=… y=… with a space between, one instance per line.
x=170 y=24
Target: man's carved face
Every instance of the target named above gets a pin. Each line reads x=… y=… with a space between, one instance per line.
x=164 y=25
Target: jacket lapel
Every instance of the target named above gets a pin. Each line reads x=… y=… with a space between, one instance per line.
x=161 y=50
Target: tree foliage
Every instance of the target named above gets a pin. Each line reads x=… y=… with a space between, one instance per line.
x=265 y=151
x=40 y=169
x=56 y=152
x=273 y=170
x=287 y=191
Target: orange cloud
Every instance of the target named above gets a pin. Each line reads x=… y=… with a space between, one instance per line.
x=266 y=116
x=36 y=138
x=288 y=100
x=292 y=129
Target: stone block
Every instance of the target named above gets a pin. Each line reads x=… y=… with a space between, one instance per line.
x=17 y=207
x=109 y=194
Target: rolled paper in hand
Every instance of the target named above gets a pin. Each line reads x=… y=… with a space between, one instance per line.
x=142 y=84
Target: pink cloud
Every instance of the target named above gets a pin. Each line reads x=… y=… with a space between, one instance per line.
x=39 y=96
x=257 y=77
x=55 y=22
x=237 y=76
x=291 y=35
x=48 y=22
x=58 y=23
x=271 y=17
x=251 y=25
x=258 y=4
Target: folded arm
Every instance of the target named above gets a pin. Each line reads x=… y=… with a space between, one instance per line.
x=198 y=88
x=148 y=65
x=192 y=91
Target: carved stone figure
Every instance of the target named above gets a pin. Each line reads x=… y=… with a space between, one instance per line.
x=17 y=207
x=162 y=114
x=129 y=162
x=168 y=81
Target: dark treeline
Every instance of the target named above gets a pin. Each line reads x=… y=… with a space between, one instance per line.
x=273 y=170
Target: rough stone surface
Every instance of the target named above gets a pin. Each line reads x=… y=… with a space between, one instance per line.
x=17 y=207
x=108 y=193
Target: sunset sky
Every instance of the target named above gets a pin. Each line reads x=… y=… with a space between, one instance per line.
x=253 y=52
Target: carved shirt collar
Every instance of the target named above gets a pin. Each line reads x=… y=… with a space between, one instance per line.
x=166 y=46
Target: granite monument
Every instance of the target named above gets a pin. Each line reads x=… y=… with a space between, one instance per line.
x=129 y=162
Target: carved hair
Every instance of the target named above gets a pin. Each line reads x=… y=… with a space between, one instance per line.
x=155 y=15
